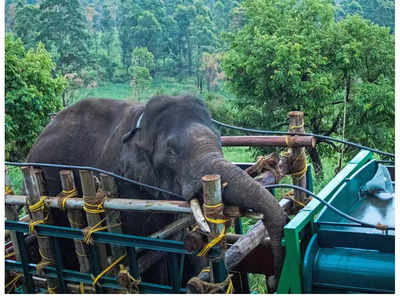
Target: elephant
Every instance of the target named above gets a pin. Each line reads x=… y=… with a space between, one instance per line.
x=169 y=142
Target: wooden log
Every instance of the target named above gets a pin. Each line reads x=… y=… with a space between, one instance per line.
x=270 y=141
x=89 y=196
x=12 y=215
x=244 y=245
x=45 y=247
x=76 y=220
x=212 y=196
x=113 y=217
x=161 y=206
x=296 y=121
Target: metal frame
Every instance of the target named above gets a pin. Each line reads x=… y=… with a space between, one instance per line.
x=299 y=230
x=175 y=259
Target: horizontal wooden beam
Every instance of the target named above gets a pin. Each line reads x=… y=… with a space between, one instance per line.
x=264 y=140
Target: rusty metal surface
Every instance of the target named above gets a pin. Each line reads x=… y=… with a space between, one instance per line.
x=254 y=140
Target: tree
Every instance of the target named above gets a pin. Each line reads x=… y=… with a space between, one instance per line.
x=142 y=62
x=31 y=93
x=63 y=29
x=294 y=56
x=27 y=25
x=147 y=32
x=128 y=14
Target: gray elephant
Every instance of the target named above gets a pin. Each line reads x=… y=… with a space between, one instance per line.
x=169 y=142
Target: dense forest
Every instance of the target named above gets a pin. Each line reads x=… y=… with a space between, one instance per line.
x=251 y=60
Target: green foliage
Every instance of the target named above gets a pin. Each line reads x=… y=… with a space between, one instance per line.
x=32 y=94
x=380 y=12
x=142 y=57
x=294 y=56
x=67 y=40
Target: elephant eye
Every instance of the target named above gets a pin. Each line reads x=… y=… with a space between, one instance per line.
x=171 y=151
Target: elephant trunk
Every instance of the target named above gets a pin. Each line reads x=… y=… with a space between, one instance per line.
x=245 y=192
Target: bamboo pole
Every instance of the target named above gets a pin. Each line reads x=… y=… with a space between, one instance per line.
x=213 y=196
x=45 y=247
x=89 y=196
x=296 y=121
x=76 y=220
x=271 y=141
x=113 y=217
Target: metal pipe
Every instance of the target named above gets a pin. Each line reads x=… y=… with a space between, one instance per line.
x=281 y=141
x=165 y=206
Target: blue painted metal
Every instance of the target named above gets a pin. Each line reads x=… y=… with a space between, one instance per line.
x=309 y=180
x=343 y=257
x=29 y=287
x=77 y=277
x=172 y=247
x=59 y=265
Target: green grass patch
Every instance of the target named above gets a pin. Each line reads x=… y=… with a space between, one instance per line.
x=123 y=91
x=16 y=179
x=238 y=154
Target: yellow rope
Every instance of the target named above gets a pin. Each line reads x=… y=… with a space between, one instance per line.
x=93 y=208
x=296 y=126
x=34 y=223
x=14 y=280
x=38 y=205
x=82 y=288
x=8 y=190
x=67 y=195
x=206 y=269
x=212 y=243
x=229 y=290
x=87 y=232
x=300 y=174
x=213 y=206
x=108 y=268
x=216 y=221
x=9 y=255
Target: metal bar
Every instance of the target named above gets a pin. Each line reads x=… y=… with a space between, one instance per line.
x=59 y=264
x=75 y=276
x=165 y=206
x=173 y=272
x=103 y=237
x=94 y=263
x=133 y=264
x=28 y=282
x=279 y=141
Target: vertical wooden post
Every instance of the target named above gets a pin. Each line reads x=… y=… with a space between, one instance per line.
x=296 y=121
x=76 y=220
x=212 y=196
x=113 y=218
x=45 y=248
x=12 y=215
x=89 y=196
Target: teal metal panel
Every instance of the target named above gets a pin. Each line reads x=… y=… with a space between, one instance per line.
x=355 y=270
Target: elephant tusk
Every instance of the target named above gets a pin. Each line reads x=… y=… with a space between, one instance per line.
x=198 y=215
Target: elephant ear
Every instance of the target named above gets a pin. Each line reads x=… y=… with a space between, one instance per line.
x=136 y=162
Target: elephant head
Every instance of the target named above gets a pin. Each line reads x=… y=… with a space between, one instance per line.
x=176 y=145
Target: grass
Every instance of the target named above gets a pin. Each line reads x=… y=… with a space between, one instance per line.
x=123 y=91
